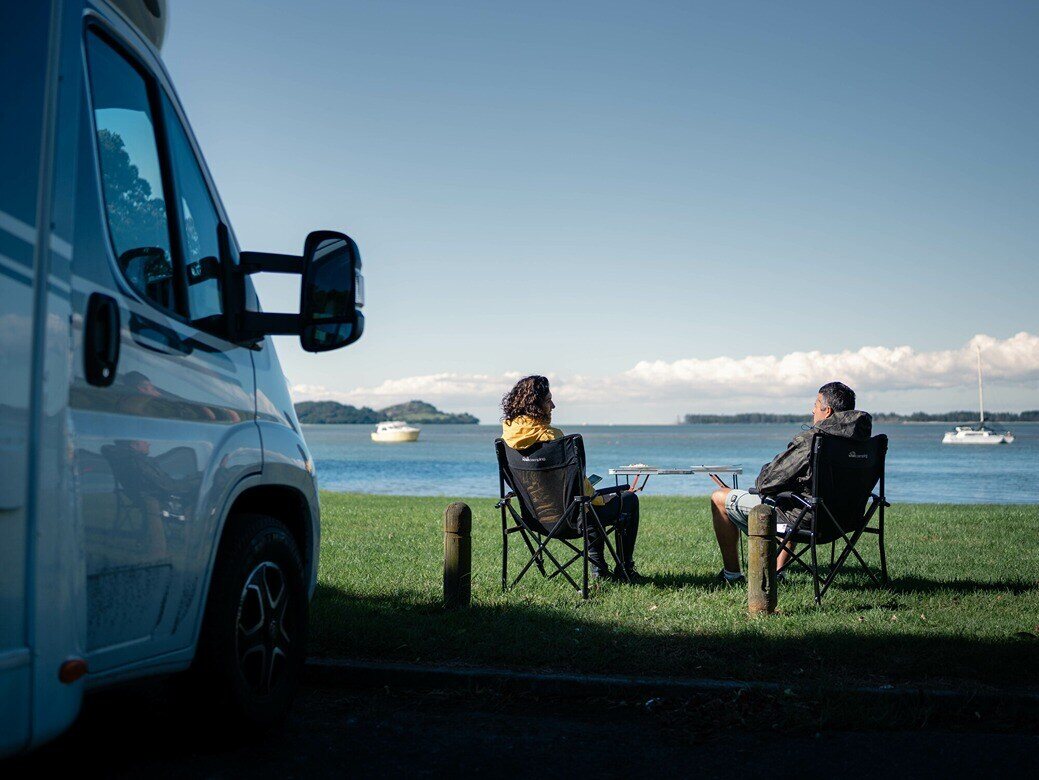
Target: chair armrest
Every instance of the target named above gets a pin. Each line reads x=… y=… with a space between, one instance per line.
x=611 y=490
x=786 y=495
x=753 y=491
x=883 y=501
x=502 y=502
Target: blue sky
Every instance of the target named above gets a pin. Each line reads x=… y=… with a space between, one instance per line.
x=667 y=207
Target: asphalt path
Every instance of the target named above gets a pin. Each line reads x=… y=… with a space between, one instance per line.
x=136 y=731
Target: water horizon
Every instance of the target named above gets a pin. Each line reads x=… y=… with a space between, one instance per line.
x=458 y=459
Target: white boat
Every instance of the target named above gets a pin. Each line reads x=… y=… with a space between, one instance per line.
x=980 y=433
x=976 y=434
x=394 y=432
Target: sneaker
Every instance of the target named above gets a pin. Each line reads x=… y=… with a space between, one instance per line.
x=633 y=575
x=740 y=580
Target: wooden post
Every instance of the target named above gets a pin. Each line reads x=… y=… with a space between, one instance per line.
x=761 y=560
x=458 y=523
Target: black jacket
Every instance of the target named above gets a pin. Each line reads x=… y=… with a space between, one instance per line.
x=791 y=470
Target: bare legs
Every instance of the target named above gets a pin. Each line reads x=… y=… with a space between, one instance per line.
x=728 y=535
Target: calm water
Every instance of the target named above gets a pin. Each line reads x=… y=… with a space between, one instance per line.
x=458 y=460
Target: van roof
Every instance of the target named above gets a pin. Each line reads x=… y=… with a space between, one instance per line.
x=150 y=17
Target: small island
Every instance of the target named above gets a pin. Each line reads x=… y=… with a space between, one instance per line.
x=415 y=412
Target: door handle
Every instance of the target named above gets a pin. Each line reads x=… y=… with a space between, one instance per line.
x=101 y=340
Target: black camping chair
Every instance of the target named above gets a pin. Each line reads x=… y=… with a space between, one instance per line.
x=547 y=481
x=842 y=504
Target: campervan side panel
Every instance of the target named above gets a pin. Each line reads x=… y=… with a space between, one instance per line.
x=23 y=78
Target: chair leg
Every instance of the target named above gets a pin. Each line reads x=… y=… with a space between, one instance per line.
x=815 y=574
x=606 y=539
x=539 y=559
x=543 y=550
x=504 y=554
x=883 y=555
x=584 y=582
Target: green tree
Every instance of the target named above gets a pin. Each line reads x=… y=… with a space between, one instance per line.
x=136 y=217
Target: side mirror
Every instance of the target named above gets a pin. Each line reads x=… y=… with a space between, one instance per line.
x=332 y=292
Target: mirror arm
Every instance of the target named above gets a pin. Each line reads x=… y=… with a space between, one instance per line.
x=258 y=324
x=271 y=262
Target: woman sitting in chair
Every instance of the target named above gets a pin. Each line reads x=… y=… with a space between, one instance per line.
x=526 y=420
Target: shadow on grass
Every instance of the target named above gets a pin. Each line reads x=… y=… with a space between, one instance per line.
x=674 y=580
x=965 y=587
x=527 y=635
x=912 y=585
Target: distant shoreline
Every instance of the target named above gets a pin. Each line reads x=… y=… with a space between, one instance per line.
x=566 y=425
x=959 y=417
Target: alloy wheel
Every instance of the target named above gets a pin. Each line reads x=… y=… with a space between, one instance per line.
x=263 y=630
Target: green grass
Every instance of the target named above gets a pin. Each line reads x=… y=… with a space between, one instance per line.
x=962 y=606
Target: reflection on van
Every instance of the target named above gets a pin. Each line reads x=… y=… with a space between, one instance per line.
x=151 y=473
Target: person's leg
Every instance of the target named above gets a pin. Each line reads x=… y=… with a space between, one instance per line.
x=596 y=546
x=785 y=553
x=628 y=527
x=622 y=512
x=725 y=531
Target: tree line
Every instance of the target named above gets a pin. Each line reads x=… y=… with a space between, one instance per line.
x=335 y=413
x=950 y=417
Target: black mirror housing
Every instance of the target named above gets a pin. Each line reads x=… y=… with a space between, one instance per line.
x=331 y=294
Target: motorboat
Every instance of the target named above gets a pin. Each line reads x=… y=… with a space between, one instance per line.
x=980 y=433
x=394 y=431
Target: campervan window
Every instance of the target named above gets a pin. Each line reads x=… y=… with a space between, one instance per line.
x=131 y=174
x=197 y=220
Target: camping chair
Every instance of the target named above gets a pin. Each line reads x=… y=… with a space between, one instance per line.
x=844 y=474
x=547 y=481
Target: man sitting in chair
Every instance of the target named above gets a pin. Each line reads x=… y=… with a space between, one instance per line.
x=834 y=413
x=526 y=420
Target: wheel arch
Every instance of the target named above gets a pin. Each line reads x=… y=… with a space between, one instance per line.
x=284 y=503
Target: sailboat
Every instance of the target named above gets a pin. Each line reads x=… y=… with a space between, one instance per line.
x=980 y=433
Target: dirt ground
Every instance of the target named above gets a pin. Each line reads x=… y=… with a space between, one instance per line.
x=135 y=732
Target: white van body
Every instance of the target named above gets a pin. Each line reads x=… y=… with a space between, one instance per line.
x=115 y=498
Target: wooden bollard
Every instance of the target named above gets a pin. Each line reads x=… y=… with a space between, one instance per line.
x=761 y=560
x=458 y=551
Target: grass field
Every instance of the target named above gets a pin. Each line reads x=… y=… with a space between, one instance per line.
x=962 y=607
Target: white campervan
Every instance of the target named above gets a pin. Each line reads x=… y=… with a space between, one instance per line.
x=158 y=506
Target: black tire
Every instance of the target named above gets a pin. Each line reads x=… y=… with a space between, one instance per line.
x=253 y=643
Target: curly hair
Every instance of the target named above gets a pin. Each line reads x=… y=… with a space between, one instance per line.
x=527 y=399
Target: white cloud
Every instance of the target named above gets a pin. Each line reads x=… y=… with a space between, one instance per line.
x=450 y=386
x=876 y=369
x=1014 y=360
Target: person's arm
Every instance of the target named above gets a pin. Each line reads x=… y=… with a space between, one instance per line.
x=785 y=469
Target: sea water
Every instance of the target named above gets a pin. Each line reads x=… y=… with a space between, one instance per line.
x=459 y=461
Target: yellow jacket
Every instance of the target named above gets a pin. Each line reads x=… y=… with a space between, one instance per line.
x=525 y=432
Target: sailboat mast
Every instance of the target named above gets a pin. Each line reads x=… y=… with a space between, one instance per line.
x=981 y=395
